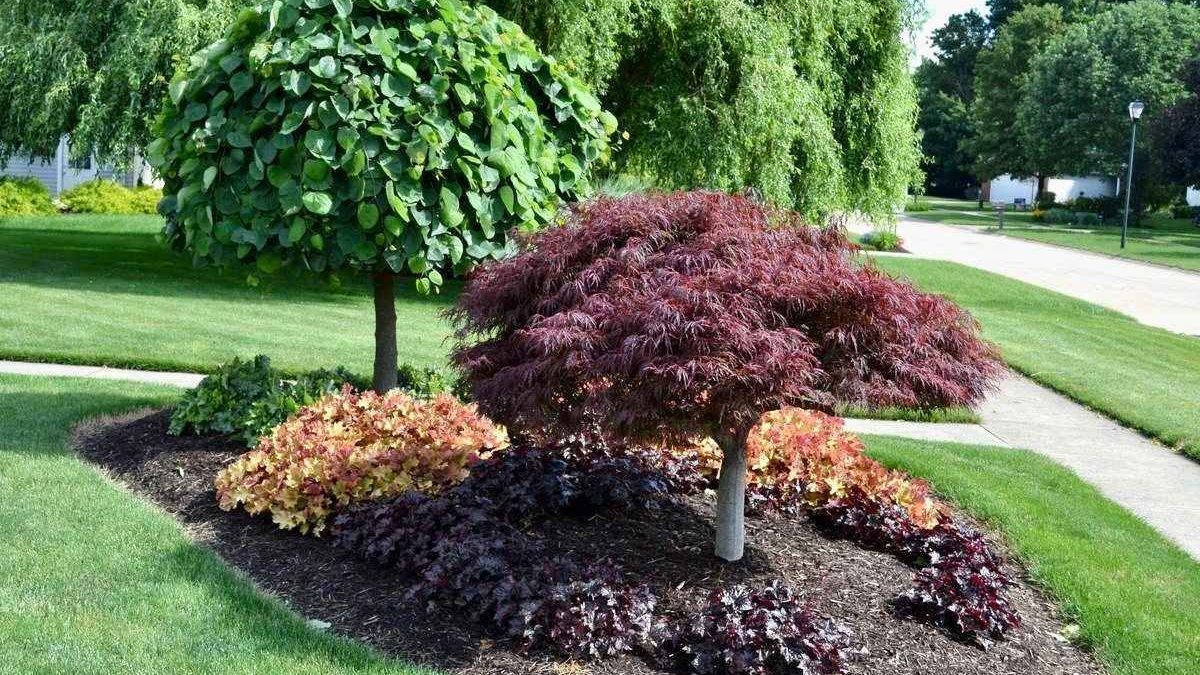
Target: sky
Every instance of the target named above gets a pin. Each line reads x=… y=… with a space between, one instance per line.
x=939 y=13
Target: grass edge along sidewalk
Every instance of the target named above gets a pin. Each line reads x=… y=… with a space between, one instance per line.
x=1143 y=377
x=1130 y=590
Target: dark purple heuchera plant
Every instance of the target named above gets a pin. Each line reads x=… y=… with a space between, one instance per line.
x=670 y=316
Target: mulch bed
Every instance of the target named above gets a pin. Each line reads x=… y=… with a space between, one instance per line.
x=667 y=548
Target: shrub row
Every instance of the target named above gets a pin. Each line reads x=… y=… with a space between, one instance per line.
x=349 y=447
x=24 y=197
x=249 y=398
x=109 y=197
x=1061 y=216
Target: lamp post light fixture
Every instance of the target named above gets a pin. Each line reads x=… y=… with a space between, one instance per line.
x=1135 y=113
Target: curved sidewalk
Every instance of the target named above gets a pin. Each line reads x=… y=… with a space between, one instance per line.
x=1160 y=486
x=1155 y=296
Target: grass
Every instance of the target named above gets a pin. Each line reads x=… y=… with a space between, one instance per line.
x=100 y=290
x=93 y=580
x=956 y=414
x=1131 y=591
x=1145 y=377
x=1157 y=238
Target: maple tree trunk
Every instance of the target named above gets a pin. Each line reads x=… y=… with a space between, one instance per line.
x=384 y=379
x=730 y=541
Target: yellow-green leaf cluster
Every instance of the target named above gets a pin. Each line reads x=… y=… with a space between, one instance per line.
x=350 y=447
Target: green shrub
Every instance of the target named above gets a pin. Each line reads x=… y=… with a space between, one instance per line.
x=1105 y=207
x=619 y=185
x=24 y=197
x=1185 y=211
x=1062 y=216
x=249 y=398
x=917 y=206
x=221 y=403
x=425 y=382
x=106 y=196
x=1045 y=201
x=881 y=240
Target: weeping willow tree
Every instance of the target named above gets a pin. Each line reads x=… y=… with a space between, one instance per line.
x=808 y=101
x=95 y=70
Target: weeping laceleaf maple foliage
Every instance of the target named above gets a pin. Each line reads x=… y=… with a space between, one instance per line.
x=668 y=315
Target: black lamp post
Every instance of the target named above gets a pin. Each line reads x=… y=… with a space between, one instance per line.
x=1135 y=113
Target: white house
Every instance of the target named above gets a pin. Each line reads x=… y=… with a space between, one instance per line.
x=61 y=173
x=1009 y=190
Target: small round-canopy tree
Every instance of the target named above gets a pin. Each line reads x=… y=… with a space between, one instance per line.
x=382 y=136
x=668 y=317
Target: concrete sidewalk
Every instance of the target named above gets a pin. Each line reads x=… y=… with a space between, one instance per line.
x=1155 y=296
x=1160 y=486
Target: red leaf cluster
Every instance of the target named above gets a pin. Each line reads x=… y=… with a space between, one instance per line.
x=674 y=315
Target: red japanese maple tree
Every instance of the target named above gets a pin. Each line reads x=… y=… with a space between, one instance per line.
x=673 y=316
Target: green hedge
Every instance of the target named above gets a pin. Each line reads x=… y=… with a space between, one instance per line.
x=106 y=196
x=24 y=197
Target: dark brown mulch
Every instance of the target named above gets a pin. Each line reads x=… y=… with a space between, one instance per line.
x=666 y=548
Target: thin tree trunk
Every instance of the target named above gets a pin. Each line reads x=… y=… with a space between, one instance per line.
x=385 y=332
x=731 y=498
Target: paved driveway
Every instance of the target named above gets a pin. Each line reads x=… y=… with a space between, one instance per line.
x=1155 y=296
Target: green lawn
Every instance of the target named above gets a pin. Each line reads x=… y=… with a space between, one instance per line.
x=1157 y=239
x=1133 y=594
x=1145 y=377
x=93 y=580
x=102 y=290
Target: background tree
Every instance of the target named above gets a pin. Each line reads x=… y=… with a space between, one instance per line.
x=945 y=91
x=809 y=101
x=672 y=317
x=351 y=136
x=1073 y=114
x=1178 y=132
x=1001 y=76
x=95 y=70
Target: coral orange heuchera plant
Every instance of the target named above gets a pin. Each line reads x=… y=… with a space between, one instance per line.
x=350 y=447
x=692 y=314
x=805 y=458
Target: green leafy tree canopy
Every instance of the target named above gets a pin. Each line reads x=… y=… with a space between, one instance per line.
x=387 y=136
x=1001 y=74
x=1073 y=112
x=95 y=70
x=809 y=101
x=1178 y=134
x=945 y=90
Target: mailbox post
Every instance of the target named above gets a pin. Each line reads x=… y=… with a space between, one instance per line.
x=999 y=206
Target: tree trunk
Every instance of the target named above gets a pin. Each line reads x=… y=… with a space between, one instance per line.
x=385 y=332
x=731 y=498
x=1041 y=187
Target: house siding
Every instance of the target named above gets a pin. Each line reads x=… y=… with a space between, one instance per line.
x=57 y=174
